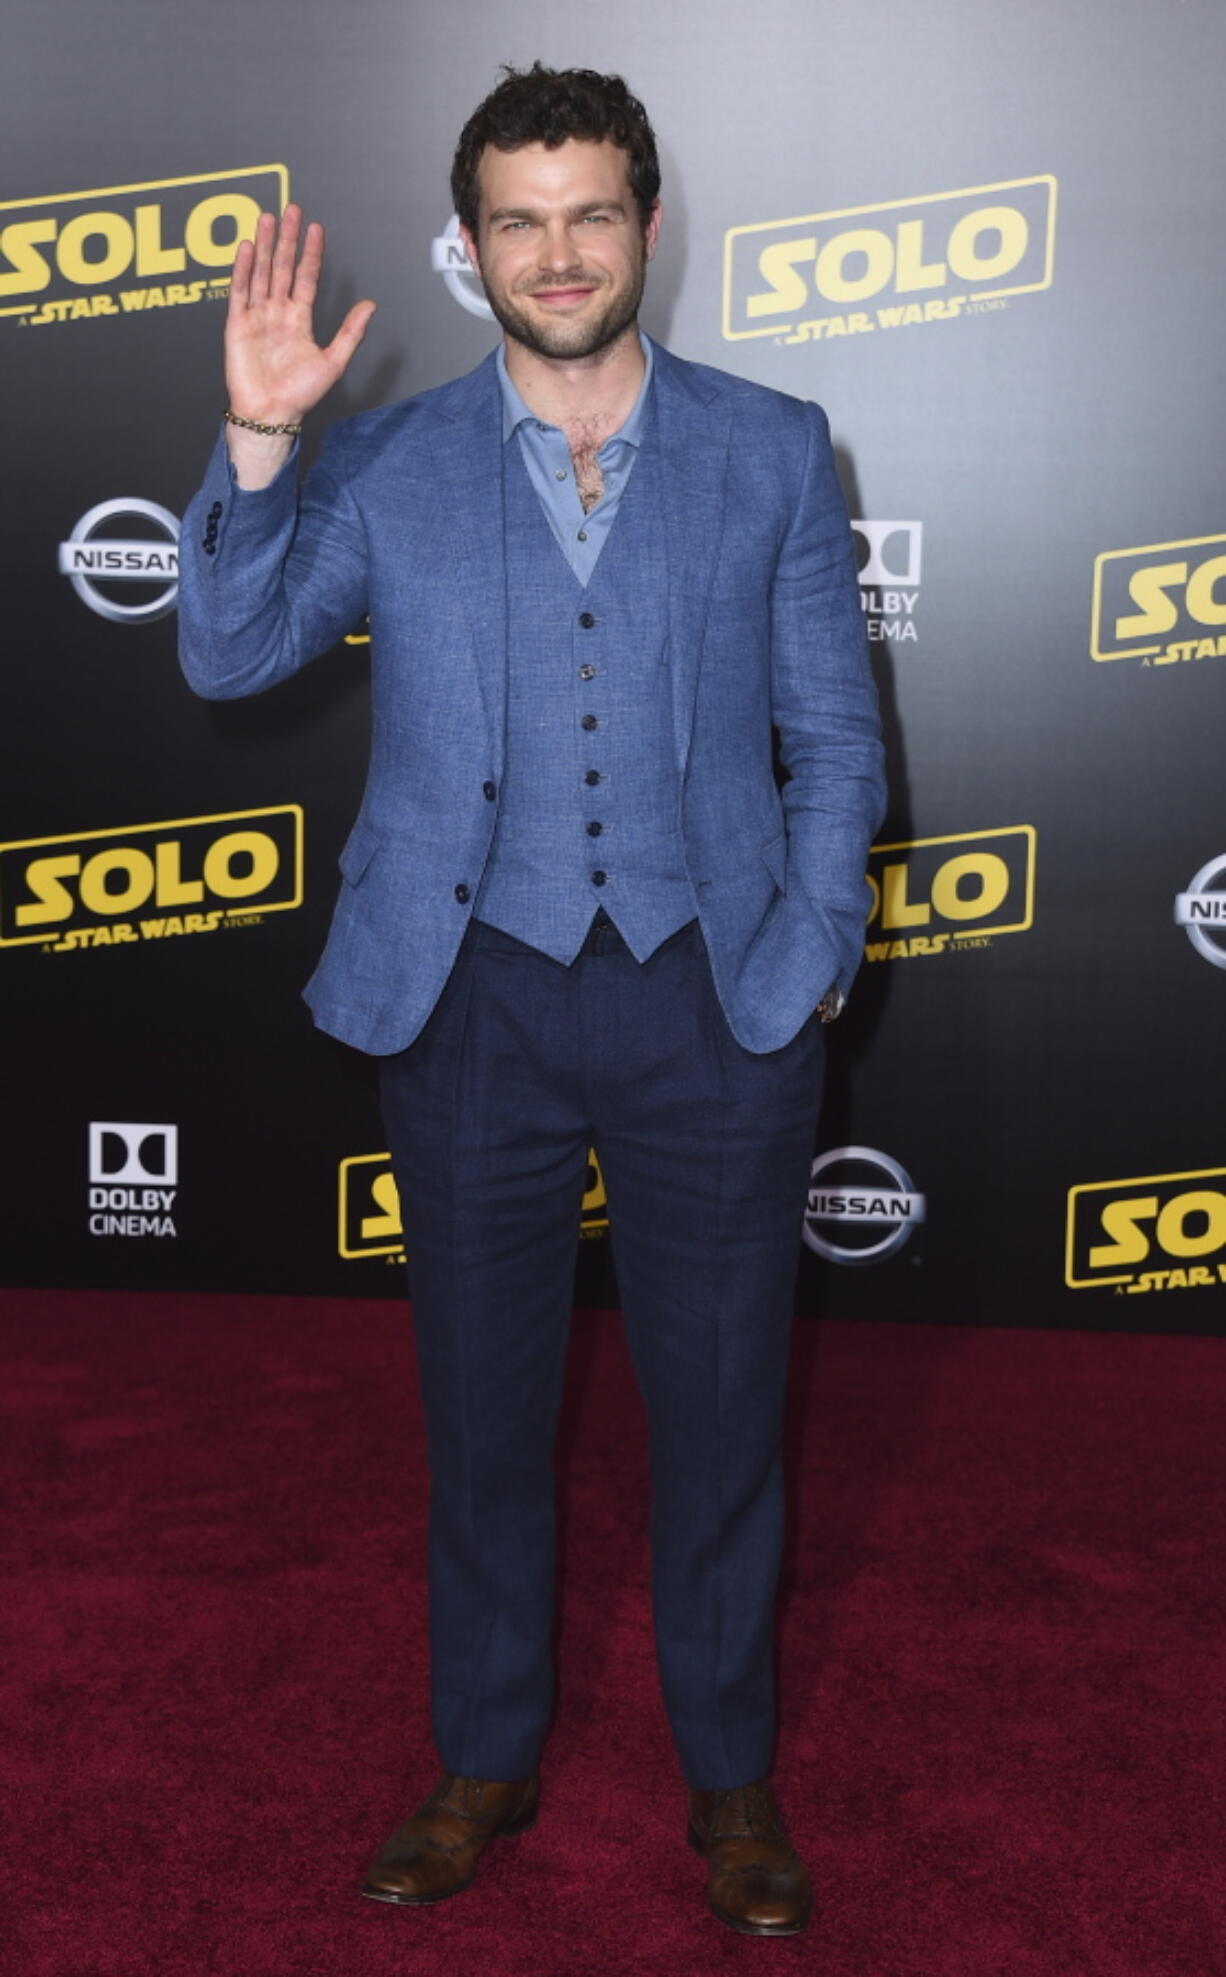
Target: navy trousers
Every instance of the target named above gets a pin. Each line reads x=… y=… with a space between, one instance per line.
x=705 y=1149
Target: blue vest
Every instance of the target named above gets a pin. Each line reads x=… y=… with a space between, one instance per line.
x=590 y=811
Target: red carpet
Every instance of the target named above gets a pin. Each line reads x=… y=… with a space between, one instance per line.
x=1002 y=1657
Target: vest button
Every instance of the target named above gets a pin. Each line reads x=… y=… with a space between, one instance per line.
x=592 y=776
x=586 y=620
x=598 y=878
x=594 y=829
x=587 y=721
x=489 y=791
x=461 y=893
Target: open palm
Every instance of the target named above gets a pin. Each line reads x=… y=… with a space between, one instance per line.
x=275 y=370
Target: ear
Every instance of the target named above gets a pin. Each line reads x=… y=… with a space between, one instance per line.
x=651 y=232
x=470 y=248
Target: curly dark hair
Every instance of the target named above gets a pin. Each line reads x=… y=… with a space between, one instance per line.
x=547 y=106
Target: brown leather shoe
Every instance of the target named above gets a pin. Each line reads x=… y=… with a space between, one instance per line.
x=434 y=1854
x=756 y=1883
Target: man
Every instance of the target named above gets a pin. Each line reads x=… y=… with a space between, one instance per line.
x=576 y=911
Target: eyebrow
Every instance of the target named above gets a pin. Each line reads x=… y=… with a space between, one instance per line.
x=571 y=212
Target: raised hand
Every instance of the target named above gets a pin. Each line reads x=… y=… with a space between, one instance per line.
x=275 y=370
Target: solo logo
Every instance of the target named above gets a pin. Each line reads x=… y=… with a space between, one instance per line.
x=935 y=894
x=862 y=1206
x=76 y=256
x=910 y=261
x=82 y=890
x=368 y=1207
x=1161 y=1232
x=1201 y=912
x=888 y=557
x=1162 y=603
x=449 y=259
x=133 y=1178
x=92 y=560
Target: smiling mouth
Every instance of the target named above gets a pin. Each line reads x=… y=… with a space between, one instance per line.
x=573 y=290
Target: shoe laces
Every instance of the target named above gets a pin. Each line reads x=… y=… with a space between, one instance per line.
x=465 y=1797
x=745 y=1812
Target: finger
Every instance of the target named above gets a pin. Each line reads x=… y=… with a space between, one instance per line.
x=261 y=265
x=350 y=334
x=306 y=280
x=285 y=252
x=240 y=279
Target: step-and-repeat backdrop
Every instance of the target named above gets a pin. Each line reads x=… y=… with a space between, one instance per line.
x=988 y=240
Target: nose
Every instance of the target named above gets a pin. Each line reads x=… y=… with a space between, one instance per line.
x=558 y=250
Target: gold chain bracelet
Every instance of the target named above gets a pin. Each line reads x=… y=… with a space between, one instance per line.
x=253 y=425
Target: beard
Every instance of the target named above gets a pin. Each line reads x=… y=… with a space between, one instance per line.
x=567 y=338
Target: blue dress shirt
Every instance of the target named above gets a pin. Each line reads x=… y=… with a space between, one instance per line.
x=546 y=455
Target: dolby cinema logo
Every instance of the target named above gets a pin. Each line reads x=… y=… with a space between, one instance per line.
x=1201 y=912
x=889 y=559
x=449 y=259
x=122 y=559
x=862 y=1206
x=133 y=1178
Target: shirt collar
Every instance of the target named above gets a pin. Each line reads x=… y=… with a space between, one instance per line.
x=514 y=411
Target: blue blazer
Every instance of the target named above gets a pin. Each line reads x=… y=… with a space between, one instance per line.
x=401 y=519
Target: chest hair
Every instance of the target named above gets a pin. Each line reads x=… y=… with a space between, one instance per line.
x=585 y=437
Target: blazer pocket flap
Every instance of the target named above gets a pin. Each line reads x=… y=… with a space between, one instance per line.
x=360 y=847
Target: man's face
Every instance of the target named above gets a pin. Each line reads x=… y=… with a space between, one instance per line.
x=559 y=248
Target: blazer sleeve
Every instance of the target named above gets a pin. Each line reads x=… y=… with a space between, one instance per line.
x=268 y=577
x=824 y=704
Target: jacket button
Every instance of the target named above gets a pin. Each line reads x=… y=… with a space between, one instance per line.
x=587 y=721
x=594 y=829
x=592 y=776
x=489 y=791
x=586 y=620
x=598 y=878
x=589 y=673
x=210 y=549
x=215 y=511
x=461 y=893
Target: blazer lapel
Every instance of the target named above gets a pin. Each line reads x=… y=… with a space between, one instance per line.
x=466 y=447
x=694 y=425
